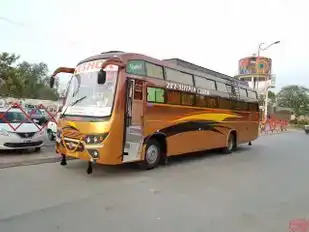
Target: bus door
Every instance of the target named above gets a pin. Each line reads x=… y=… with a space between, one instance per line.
x=134 y=120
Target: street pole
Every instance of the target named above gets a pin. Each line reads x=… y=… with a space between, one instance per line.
x=258 y=76
x=266 y=103
x=267 y=77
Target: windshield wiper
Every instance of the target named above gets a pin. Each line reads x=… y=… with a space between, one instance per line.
x=74 y=103
x=78 y=100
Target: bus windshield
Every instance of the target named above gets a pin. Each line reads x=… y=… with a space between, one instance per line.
x=95 y=99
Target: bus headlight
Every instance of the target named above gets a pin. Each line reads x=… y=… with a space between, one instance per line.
x=94 y=153
x=95 y=139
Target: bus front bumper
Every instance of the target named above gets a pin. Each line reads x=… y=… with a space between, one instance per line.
x=83 y=152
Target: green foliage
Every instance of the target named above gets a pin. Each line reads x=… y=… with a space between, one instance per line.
x=300 y=122
x=294 y=97
x=271 y=96
x=24 y=80
x=271 y=99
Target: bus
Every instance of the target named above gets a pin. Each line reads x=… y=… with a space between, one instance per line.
x=126 y=107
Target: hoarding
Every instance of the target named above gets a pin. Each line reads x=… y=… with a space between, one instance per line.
x=255 y=65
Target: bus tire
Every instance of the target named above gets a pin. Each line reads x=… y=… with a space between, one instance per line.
x=152 y=155
x=231 y=144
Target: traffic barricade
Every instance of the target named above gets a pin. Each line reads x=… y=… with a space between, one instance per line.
x=39 y=122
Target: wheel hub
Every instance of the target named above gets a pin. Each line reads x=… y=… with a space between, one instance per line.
x=152 y=154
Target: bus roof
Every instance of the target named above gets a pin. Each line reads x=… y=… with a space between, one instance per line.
x=175 y=63
x=193 y=67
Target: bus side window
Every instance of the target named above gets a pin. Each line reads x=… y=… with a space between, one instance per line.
x=200 y=101
x=235 y=105
x=173 y=97
x=243 y=106
x=253 y=107
x=155 y=94
x=225 y=103
x=138 y=90
x=212 y=102
x=187 y=99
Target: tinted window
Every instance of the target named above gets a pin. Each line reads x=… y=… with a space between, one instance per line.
x=242 y=105
x=254 y=107
x=204 y=83
x=225 y=103
x=136 y=67
x=201 y=101
x=221 y=87
x=177 y=76
x=187 y=99
x=211 y=102
x=173 y=97
x=252 y=94
x=243 y=92
x=229 y=88
x=154 y=70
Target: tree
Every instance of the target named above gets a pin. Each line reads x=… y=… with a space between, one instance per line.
x=272 y=97
x=294 y=97
x=24 y=80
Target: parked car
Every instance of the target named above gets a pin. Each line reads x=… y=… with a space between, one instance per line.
x=18 y=132
x=37 y=116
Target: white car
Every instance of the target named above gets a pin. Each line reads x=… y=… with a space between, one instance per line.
x=24 y=134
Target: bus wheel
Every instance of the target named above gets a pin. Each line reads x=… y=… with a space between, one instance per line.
x=231 y=144
x=152 y=155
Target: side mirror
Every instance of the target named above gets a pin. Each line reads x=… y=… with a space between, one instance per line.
x=51 y=82
x=101 y=77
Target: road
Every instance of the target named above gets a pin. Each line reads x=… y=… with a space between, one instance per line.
x=258 y=188
x=14 y=158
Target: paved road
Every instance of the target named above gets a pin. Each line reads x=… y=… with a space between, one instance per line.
x=259 y=188
x=27 y=157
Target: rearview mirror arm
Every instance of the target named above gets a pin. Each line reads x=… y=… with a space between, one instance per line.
x=59 y=70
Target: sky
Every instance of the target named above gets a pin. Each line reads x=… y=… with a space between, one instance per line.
x=211 y=33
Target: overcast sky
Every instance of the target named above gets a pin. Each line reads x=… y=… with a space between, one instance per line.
x=214 y=34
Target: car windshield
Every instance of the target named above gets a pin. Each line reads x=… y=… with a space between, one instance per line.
x=96 y=99
x=14 y=117
x=33 y=111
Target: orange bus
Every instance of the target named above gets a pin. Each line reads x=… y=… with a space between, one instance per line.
x=125 y=107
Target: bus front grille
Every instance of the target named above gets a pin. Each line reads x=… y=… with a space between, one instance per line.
x=72 y=144
x=72 y=134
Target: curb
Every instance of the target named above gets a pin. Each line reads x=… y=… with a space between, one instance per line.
x=274 y=133
x=32 y=162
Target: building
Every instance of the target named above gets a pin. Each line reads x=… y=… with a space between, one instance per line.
x=257 y=72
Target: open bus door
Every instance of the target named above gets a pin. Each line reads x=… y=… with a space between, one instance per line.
x=134 y=120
